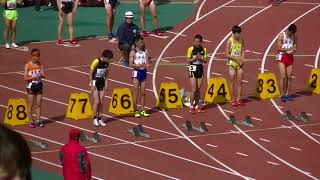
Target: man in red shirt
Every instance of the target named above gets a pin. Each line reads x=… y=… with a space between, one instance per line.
x=75 y=159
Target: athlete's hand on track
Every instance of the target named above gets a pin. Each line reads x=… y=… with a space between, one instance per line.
x=93 y=88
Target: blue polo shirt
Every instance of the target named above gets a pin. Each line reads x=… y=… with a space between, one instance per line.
x=127 y=33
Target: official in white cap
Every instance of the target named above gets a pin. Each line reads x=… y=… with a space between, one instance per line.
x=126 y=34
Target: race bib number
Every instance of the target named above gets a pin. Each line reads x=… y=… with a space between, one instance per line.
x=278 y=57
x=192 y=68
x=134 y=74
x=235 y=53
x=29 y=85
x=11 y=5
x=101 y=73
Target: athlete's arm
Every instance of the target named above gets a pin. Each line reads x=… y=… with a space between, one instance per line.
x=148 y=58
x=131 y=64
x=74 y=10
x=190 y=58
x=295 y=40
x=92 y=69
x=205 y=56
x=242 y=52
x=42 y=73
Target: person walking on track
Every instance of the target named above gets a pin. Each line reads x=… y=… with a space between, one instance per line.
x=196 y=56
x=33 y=74
x=235 y=62
x=10 y=15
x=152 y=6
x=287 y=47
x=67 y=8
x=139 y=61
x=98 y=76
x=74 y=159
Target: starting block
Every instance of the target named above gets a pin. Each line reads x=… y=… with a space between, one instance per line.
x=95 y=138
x=138 y=131
x=289 y=116
x=38 y=144
x=302 y=117
x=246 y=122
x=188 y=125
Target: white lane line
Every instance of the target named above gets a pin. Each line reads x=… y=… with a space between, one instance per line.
x=168 y=77
x=258 y=119
x=218 y=74
x=302 y=3
x=205 y=40
x=242 y=154
x=278 y=106
x=317 y=58
x=228 y=111
x=266 y=70
x=255 y=7
x=315 y=134
x=153 y=35
x=20 y=48
x=200 y=8
x=294 y=148
x=265 y=140
x=273 y=163
x=177 y=116
x=234 y=132
x=211 y=145
x=171 y=32
x=284 y=126
x=208 y=124
x=309 y=65
x=163 y=60
x=254 y=52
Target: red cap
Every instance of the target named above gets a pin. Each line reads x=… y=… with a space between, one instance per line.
x=74 y=134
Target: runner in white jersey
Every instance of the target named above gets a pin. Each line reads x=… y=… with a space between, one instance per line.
x=287 y=46
x=139 y=61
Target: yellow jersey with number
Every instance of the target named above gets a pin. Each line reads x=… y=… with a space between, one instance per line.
x=235 y=47
x=235 y=50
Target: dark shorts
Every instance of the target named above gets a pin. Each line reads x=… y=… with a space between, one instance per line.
x=67 y=7
x=100 y=84
x=196 y=71
x=34 y=88
x=140 y=74
x=113 y=3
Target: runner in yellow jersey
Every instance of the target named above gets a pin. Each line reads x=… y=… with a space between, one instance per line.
x=235 y=55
